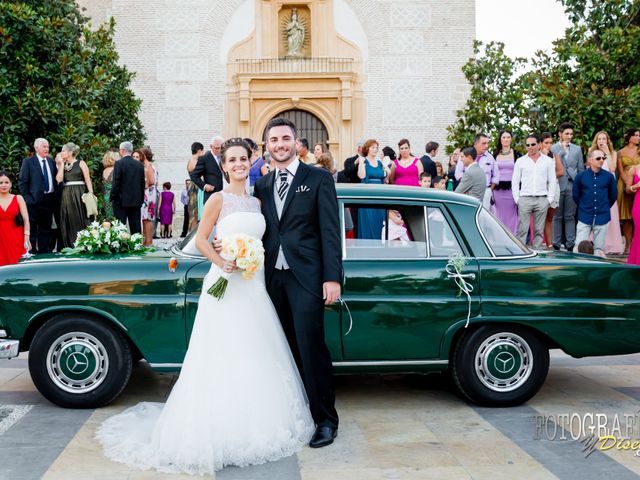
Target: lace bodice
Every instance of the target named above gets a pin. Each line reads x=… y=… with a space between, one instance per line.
x=232 y=203
x=240 y=214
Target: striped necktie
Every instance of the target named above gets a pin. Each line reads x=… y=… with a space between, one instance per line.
x=284 y=185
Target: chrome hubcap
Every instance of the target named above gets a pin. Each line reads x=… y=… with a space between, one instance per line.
x=77 y=362
x=504 y=362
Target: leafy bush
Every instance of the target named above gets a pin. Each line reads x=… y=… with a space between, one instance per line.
x=61 y=80
x=591 y=78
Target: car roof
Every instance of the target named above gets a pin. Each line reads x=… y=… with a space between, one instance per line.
x=401 y=192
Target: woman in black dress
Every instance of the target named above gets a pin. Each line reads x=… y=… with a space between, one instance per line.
x=75 y=175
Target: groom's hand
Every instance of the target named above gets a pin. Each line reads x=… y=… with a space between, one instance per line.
x=330 y=292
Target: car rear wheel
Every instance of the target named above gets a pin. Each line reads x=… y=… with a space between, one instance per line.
x=79 y=362
x=499 y=366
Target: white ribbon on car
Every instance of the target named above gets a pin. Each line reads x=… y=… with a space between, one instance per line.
x=349 y=312
x=453 y=270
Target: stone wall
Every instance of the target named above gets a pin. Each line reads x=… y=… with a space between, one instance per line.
x=413 y=78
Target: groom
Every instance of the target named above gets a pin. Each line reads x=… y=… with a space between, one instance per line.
x=303 y=265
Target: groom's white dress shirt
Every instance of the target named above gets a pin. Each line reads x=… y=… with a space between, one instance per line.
x=281 y=261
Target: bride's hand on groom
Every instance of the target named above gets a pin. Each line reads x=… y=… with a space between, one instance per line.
x=330 y=292
x=217 y=245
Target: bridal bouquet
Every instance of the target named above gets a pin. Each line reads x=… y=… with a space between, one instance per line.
x=106 y=238
x=248 y=254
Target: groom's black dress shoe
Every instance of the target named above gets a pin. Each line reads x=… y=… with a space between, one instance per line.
x=324 y=436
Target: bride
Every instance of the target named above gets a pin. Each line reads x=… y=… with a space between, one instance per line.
x=239 y=399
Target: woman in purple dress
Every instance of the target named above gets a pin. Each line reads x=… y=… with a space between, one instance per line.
x=506 y=208
x=167 y=208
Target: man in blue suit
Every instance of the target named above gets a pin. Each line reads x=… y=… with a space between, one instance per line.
x=38 y=186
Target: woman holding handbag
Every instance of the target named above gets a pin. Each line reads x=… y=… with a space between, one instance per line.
x=14 y=224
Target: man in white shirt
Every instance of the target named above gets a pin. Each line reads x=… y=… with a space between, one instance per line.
x=533 y=189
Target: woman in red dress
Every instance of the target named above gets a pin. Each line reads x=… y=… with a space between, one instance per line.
x=14 y=239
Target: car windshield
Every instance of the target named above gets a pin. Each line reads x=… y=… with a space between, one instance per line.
x=499 y=238
x=188 y=245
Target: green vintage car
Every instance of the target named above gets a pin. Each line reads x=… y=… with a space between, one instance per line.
x=86 y=320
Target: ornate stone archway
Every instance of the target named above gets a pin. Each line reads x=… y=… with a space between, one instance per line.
x=314 y=108
x=326 y=81
x=309 y=126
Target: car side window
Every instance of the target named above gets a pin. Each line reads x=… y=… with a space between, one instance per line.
x=442 y=241
x=374 y=231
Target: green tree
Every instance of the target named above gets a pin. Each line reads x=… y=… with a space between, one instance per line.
x=61 y=80
x=496 y=100
x=592 y=76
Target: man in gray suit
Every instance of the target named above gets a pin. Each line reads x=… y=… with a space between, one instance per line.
x=573 y=162
x=474 y=180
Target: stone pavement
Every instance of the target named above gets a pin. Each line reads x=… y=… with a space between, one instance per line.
x=392 y=427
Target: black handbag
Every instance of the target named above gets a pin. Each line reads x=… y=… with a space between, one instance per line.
x=19 y=220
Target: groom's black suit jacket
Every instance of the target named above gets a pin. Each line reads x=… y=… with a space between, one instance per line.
x=308 y=230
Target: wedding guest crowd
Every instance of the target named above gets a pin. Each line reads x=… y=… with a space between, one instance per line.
x=552 y=223
x=543 y=196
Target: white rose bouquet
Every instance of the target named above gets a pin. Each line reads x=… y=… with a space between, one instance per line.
x=248 y=254
x=106 y=238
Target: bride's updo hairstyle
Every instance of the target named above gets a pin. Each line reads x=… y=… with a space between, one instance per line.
x=233 y=142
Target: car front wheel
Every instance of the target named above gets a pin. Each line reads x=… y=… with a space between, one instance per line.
x=79 y=362
x=499 y=366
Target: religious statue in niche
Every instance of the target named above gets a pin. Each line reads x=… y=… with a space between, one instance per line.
x=295 y=32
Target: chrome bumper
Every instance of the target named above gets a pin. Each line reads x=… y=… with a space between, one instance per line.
x=9 y=348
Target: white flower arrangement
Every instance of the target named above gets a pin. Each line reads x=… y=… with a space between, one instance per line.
x=106 y=238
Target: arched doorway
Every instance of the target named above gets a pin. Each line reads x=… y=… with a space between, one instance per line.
x=309 y=126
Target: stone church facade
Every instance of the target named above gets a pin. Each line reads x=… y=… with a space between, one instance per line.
x=383 y=69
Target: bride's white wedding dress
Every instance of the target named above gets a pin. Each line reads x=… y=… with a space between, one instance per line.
x=239 y=399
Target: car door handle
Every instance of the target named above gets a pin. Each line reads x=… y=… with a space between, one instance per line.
x=470 y=276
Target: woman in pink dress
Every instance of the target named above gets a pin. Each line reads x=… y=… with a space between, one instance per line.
x=602 y=142
x=406 y=170
x=506 y=208
x=634 y=251
x=167 y=208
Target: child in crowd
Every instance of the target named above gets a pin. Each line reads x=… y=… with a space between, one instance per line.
x=425 y=180
x=397 y=229
x=440 y=183
x=586 y=246
x=167 y=207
